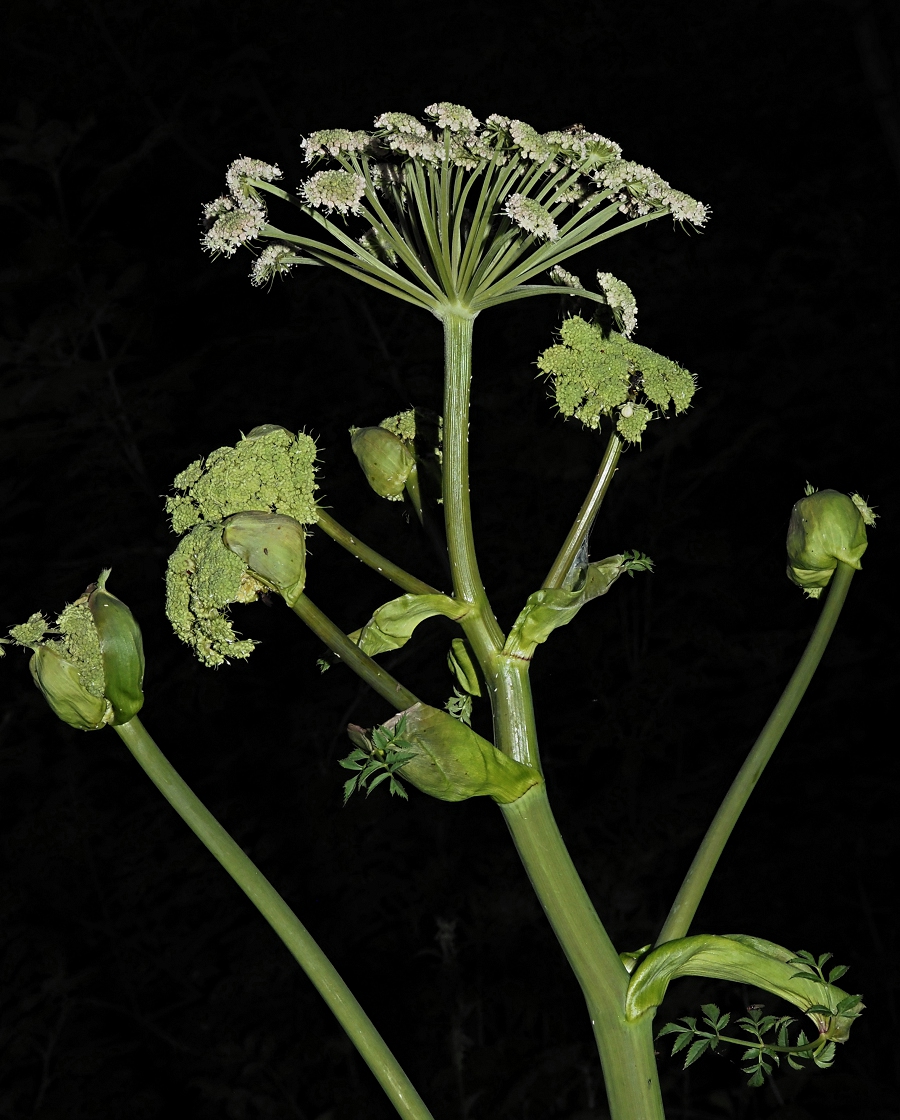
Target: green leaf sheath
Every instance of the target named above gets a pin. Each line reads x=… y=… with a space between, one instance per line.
x=369 y=556
x=688 y=899
x=342 y=647
x=281 y=918
x=586 y=515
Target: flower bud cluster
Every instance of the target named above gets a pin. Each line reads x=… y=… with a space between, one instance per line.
x=243 y=509
x=598 y=373
x=531 y=216
x=335 y=190
x=91 y=666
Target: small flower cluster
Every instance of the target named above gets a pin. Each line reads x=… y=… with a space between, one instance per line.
x=620 y=300
x=335 y=190
x=273 y=260
x=639 y=190
x=335 y=142
x=531 y=216
x=238 y=217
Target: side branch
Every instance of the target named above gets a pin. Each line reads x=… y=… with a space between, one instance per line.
x=585 y=519
x=695 y=882
x=340 y=645
x=372 y=558
x=300 y=943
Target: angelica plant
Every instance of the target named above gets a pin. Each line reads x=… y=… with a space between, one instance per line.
x=455 y=216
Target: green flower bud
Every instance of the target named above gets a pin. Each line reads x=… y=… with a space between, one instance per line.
x=452 y=762
x=121 y=651
x=386 y=460
x=91 y=667
x=61 y=683
x=274 y=549
x=826 y=527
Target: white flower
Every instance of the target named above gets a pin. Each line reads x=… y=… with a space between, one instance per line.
x=620 y=300
x=565 y=279
x=640 y=190
x=401 y=122
x=529 y=141
x=233 y=227
x=334 y=141
x=531 y=216
x=240 y=170
x=455 y=117
x=272 y=260
x=335 y=190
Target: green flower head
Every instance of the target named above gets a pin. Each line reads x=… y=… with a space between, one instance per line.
x=271 y=470
x=597 y=373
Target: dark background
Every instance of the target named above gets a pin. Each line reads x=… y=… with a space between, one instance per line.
x=136 y=979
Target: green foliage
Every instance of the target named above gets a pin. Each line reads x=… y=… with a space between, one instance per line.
x=460 y=706
x=463 y=668
x=552 y=607
x=597 y=373
x=376 y=758
x=392 y=625
x=761 y=1053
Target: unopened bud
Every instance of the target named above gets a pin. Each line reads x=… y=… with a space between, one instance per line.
x=826 y=527
x=121 y=650
x=453 y=763
x=386 y=460
x=61 y=683
x=273 y=546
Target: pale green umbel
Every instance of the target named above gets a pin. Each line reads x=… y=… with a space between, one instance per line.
x=450 y=213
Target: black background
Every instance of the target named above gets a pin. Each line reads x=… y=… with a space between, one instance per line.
x=136 y=979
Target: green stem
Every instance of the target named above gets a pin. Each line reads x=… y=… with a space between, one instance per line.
x=695 y=882
x=350 y=653
x=280 y=917
x=626 y=1049
x=480 y=625
x=369 y=556
x=585 y=519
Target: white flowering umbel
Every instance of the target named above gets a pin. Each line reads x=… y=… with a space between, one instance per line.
x=456 y=214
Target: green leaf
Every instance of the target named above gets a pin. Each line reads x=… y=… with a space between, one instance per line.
x=682 y=1041
x=793 y=1063
x=837 y=972
x=672 y=1028
x=710 y=1011
x=743 y=960
x=392 y=625
x=349 y=787
x=383 y=776
x=696 y=1051
x=551 y=607
x=463 y=667
x=397 y=789
x=757 y=1079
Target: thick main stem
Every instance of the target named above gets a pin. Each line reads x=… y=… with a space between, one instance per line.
x=695 y=882
x=626 y=1049
x=280 y=917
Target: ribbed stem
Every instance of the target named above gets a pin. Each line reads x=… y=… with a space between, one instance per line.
x=281 y=918
x=695 y=882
